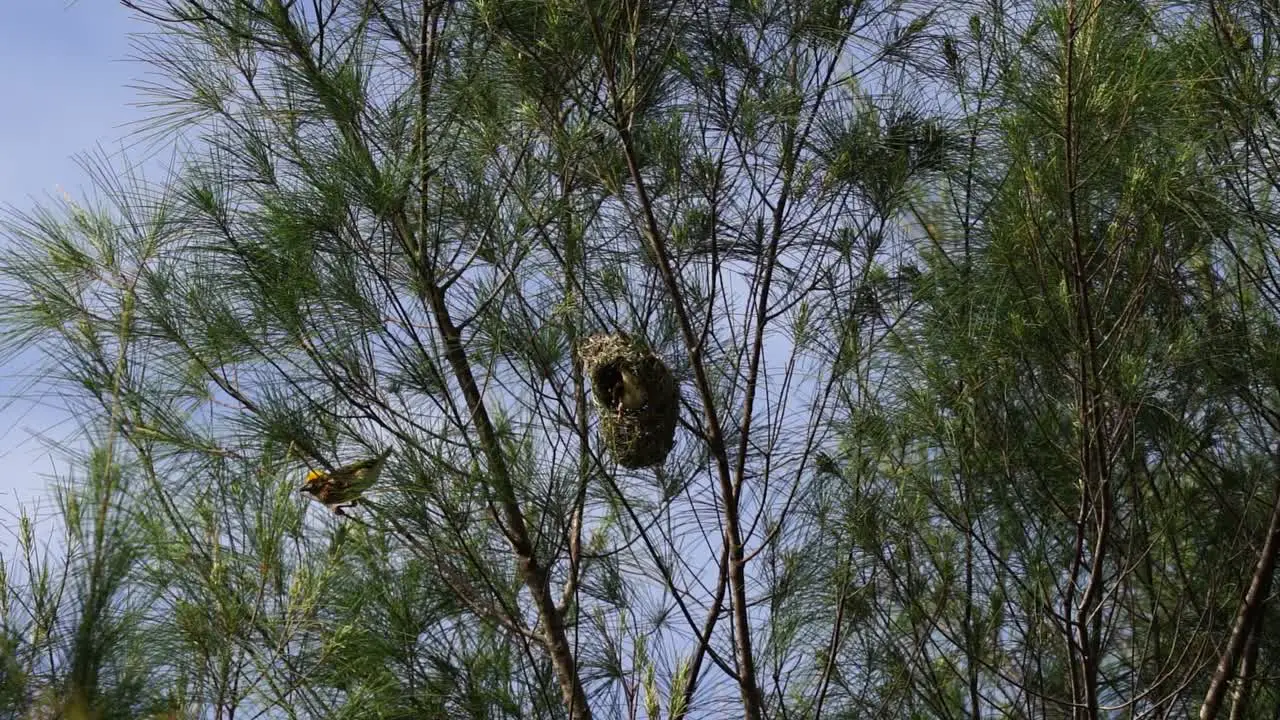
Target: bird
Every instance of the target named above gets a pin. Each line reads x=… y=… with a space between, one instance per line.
x=343 y=487
x=630 y=393
x=620 y=388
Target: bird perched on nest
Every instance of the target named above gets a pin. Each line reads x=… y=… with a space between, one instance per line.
x=343 y=487
x=623 y=388
x=632 y=395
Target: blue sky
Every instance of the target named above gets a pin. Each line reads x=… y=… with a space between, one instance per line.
x=64 y=92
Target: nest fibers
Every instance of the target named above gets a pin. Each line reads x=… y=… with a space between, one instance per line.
x=637 y=399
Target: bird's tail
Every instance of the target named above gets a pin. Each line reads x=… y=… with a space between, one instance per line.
x=381 y=460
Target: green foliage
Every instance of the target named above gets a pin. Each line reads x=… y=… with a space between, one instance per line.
x=972 y=310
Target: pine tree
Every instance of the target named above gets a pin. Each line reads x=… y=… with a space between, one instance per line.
x=968 y=307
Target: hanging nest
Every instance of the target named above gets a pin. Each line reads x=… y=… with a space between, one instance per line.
x=637 y=399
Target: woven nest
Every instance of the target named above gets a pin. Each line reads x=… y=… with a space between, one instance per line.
x=637 y=399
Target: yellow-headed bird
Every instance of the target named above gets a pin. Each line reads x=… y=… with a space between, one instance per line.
x=343 y=487
x=631 y=396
